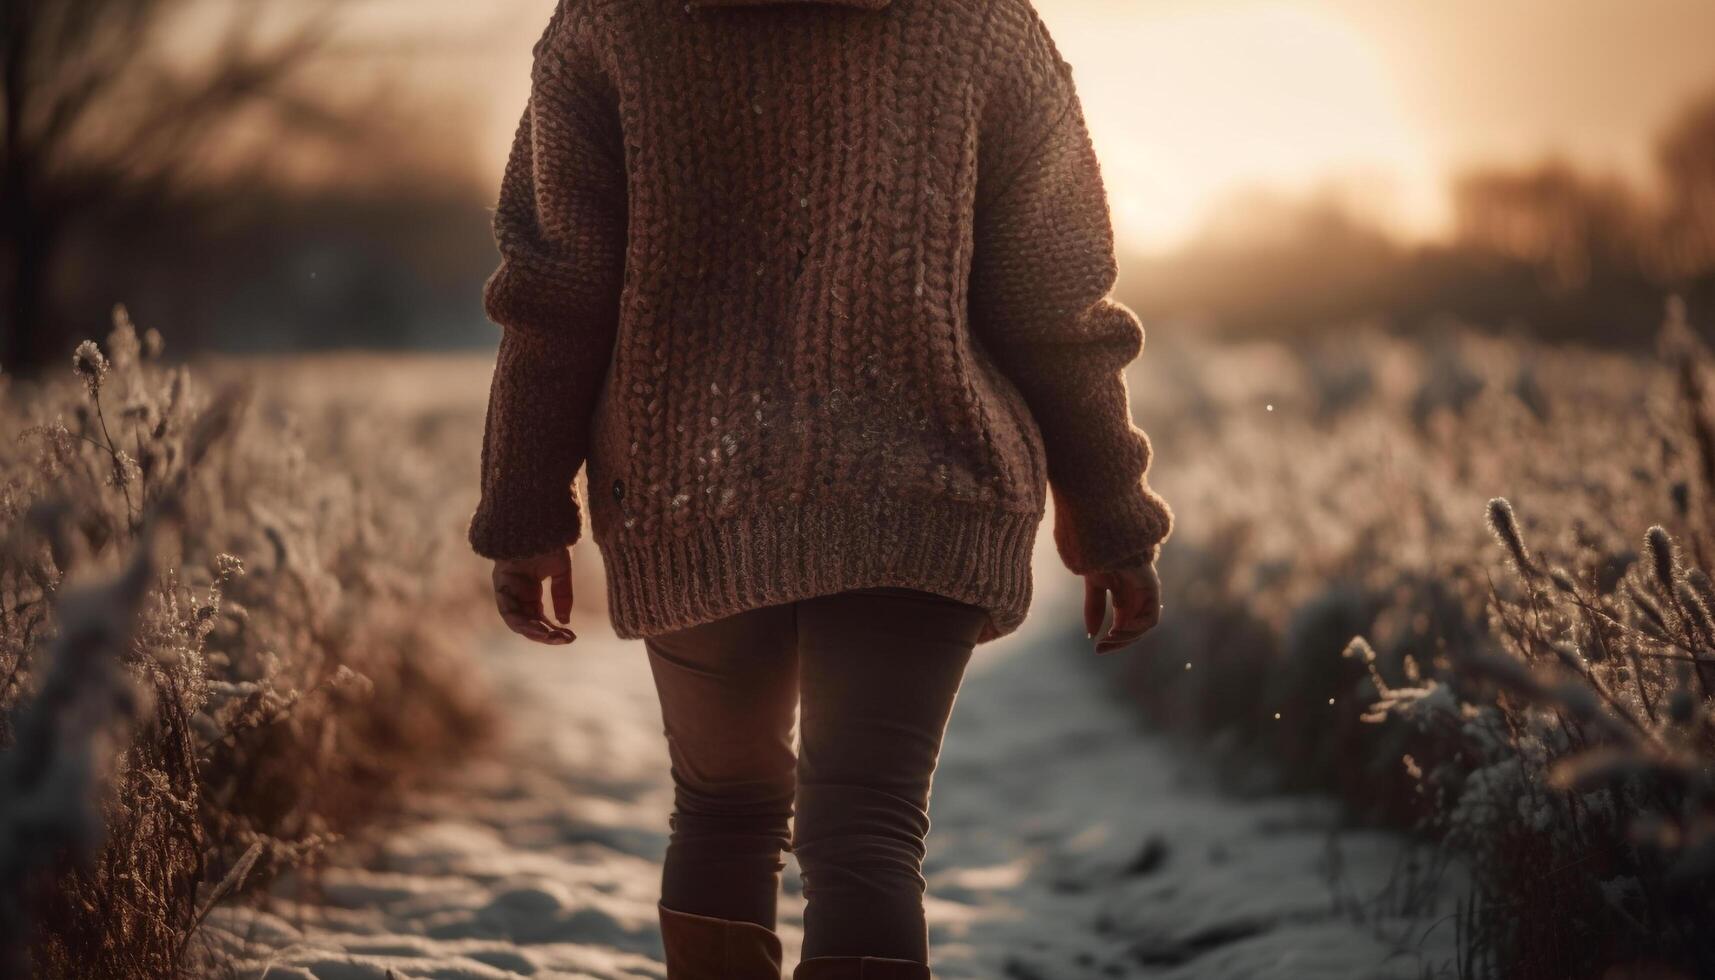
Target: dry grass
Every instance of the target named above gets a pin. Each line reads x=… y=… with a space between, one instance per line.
x=264 y=652
x=1547 y=721
x=190 y=704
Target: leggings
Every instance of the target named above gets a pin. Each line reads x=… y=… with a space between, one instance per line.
x=875 y=671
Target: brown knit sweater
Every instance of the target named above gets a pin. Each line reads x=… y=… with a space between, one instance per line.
x=819 y=289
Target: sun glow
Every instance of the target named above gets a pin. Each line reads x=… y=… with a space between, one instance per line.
x=1192 y=102
x=1189 y=105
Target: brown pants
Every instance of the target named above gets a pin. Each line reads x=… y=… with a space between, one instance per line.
x=875 y=671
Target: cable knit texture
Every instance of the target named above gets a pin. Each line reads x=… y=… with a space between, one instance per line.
x=820 y=292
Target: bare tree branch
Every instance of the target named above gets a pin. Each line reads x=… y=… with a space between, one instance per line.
x=99 y=110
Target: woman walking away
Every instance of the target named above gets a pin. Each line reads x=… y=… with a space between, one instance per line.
x=819 y=290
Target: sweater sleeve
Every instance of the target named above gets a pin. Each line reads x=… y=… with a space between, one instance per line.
x=560 y=228
x=1043 y=268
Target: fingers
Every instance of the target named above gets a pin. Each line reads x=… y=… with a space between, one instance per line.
x=1095 y=606
x=561 y=586
x=520 y=591
x=539 y=630
x=1137 y=610
x=519 y=600
x=1118 y=640
x=530 y=624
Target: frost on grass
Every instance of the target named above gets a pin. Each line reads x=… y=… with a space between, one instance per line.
x=1520 y=537
x=265 y=686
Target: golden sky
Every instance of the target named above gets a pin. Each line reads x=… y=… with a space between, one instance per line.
x=1190 y=101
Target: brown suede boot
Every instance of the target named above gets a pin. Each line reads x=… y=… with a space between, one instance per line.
x=703 y=948
x=859 y=968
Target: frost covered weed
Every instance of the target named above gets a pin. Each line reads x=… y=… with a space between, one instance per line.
x=1533 y=694
x=262 y=651
x=1574 y=761
x=64 y=742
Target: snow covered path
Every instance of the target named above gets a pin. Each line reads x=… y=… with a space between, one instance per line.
x=1066 y=845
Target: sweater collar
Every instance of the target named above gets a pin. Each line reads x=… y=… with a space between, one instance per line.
x=859 y=4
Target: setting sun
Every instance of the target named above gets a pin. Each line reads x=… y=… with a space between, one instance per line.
x=1377 y=102
x=1190 y=105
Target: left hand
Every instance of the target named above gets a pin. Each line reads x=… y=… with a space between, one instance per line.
x=518 y=594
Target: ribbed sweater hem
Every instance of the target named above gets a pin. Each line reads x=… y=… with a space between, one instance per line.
x=785 y=552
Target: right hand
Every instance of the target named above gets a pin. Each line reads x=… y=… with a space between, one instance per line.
x=1137 y=604
x=518 y=594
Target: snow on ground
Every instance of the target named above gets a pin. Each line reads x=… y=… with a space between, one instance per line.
x=1066 y=844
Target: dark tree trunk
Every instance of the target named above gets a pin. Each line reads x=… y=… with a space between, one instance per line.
x=30 y=340
x=25 y=250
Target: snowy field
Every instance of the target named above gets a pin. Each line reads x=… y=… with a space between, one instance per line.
x=1066 y=844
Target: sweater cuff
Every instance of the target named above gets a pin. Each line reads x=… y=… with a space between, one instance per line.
x=1116 y=533
x=502 y=530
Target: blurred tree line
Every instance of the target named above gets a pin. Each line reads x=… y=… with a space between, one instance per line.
x=1550 y=250
x=155 y=152
x=241 y=190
